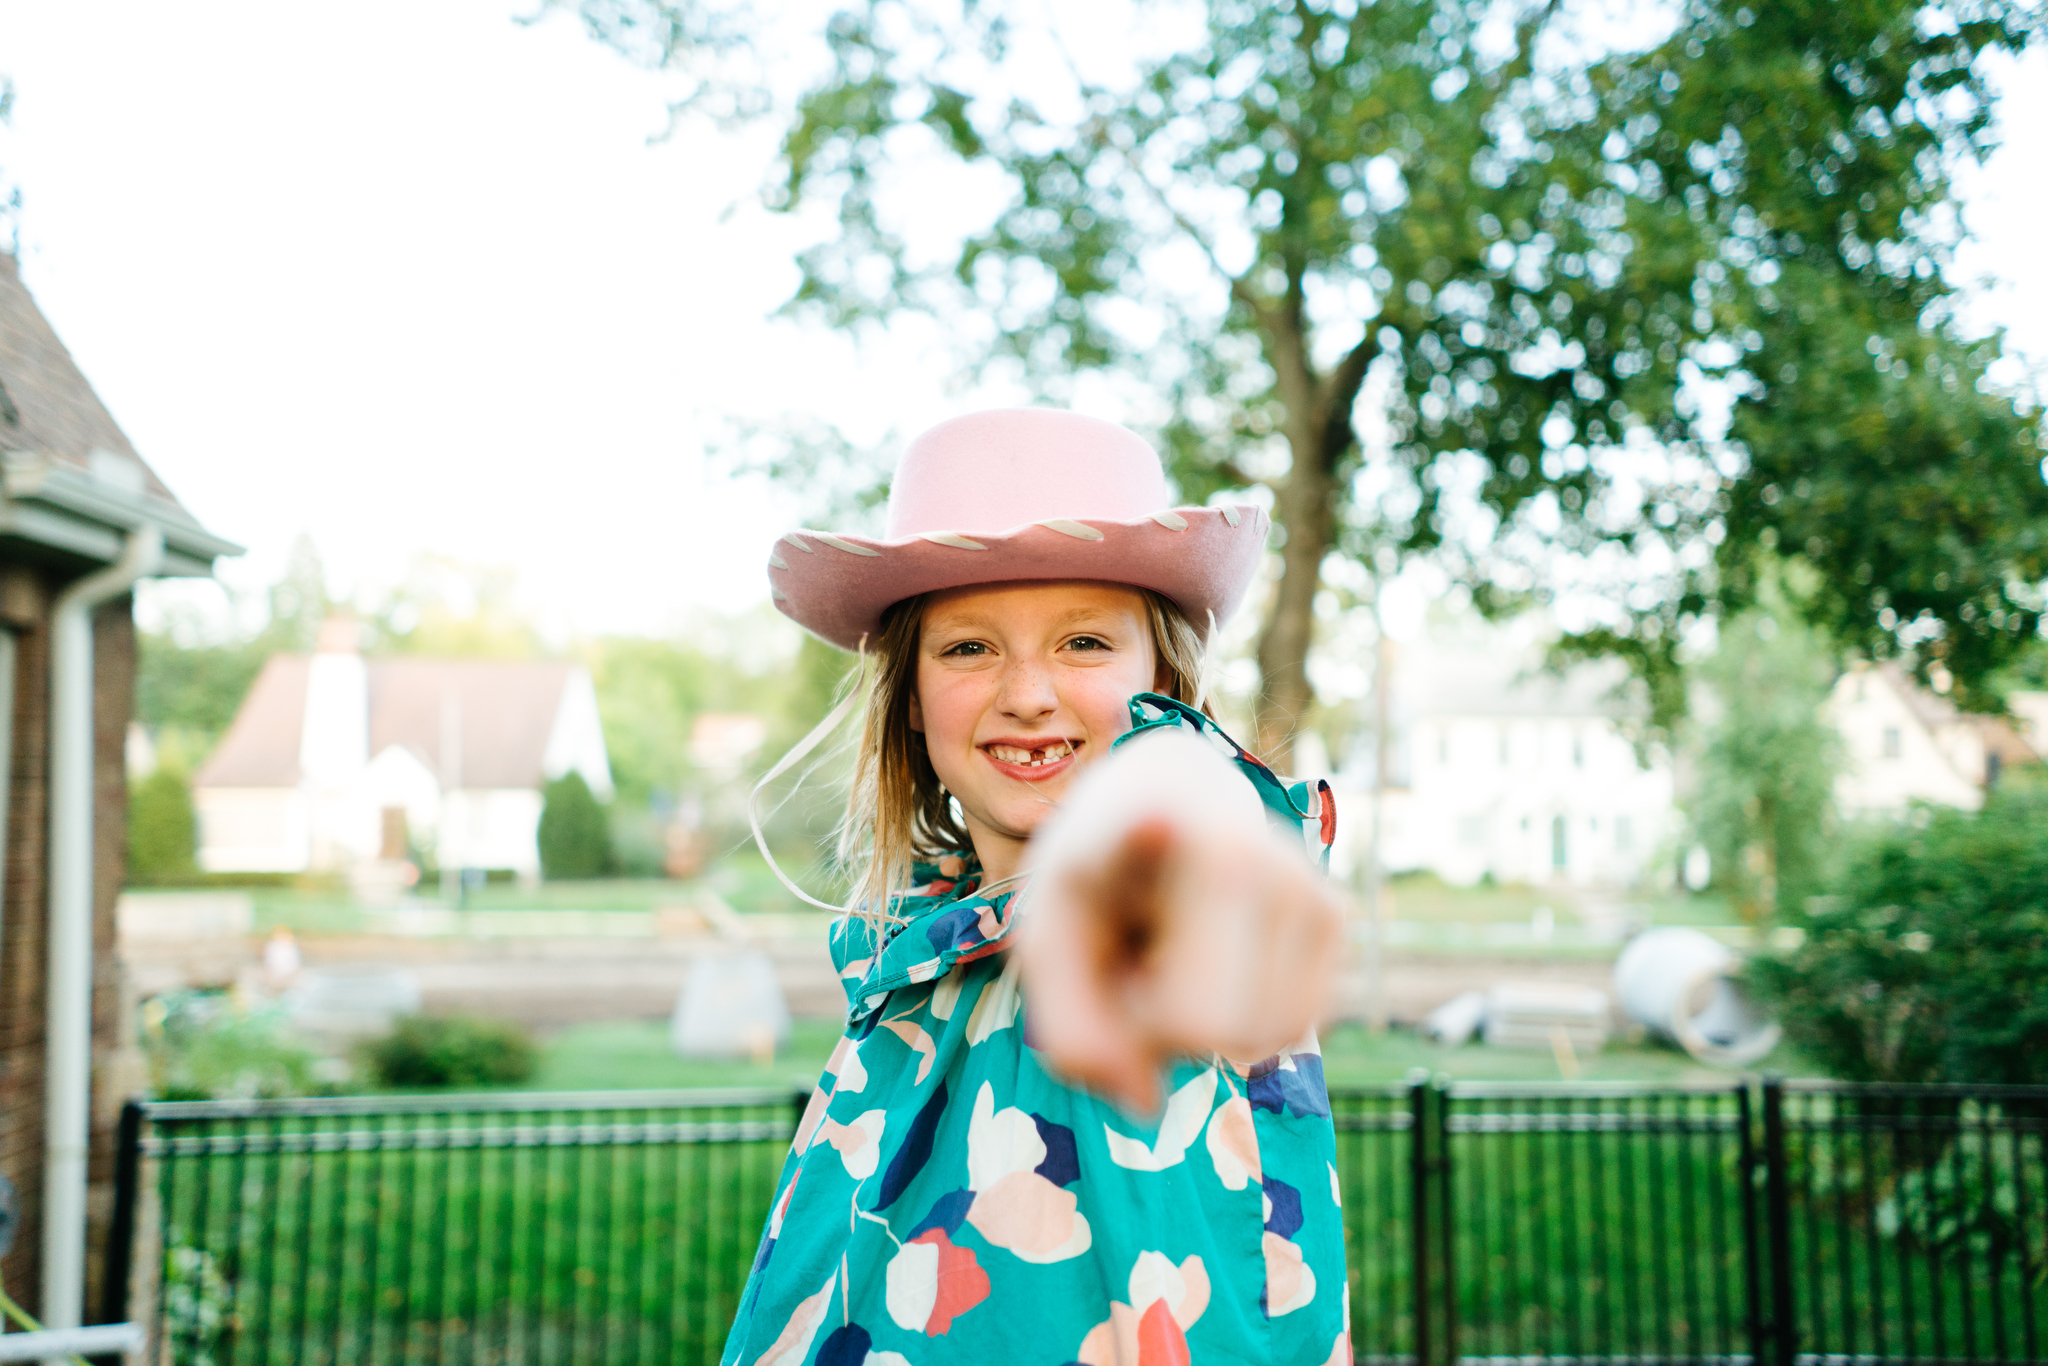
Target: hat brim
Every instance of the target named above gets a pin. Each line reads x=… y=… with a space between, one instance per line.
x=837 y=587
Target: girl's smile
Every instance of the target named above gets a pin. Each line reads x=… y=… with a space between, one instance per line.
x=1019 y=685
x=1032 y=761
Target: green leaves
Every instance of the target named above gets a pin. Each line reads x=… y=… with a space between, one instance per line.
x=1925 y=964
x=1452 y=279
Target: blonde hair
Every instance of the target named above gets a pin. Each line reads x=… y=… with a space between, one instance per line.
x=897 y=811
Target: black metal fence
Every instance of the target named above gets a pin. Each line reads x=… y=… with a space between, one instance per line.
x=1772 y=1223
x=567 y=1228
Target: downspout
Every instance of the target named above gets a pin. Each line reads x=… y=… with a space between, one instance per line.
x=67 y=1105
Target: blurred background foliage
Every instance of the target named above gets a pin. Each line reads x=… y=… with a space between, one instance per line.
x=1926 y=961
x=1637 y=306
x=211 y=1045
x=1762 y=802
x=574 y=837
x=449 y=1052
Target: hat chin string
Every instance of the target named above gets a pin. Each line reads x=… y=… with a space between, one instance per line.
x=1208 y=654
x=818 y=734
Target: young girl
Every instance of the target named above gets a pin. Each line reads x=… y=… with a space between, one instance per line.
x=965 y=1185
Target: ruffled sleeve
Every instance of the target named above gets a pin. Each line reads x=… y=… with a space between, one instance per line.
x=943 y=923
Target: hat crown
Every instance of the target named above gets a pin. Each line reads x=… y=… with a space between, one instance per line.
x=992 y=471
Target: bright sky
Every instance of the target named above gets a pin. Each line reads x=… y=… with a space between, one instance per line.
x=410 y=277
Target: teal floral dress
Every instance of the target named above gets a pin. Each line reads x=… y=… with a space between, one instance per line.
x=946 y=1200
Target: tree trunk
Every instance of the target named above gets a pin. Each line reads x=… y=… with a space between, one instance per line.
x=1304 y=507
x=1319 y=435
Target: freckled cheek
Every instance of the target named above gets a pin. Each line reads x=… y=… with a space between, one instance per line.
x=952 y=708
x=1104 y=713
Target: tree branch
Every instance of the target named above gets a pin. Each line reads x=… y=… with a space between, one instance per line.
x=1341 y=392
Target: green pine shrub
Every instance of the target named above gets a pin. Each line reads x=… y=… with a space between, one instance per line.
x=575 y=836
x=451 y=1050
x=1927 y=962
x=163 y=829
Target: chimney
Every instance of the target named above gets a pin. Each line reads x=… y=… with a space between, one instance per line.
x=335 y=743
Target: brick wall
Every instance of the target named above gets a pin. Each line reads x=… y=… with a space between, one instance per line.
x=26 y=592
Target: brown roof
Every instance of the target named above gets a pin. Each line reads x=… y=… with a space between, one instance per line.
x=507 y=710
x=506 y=707
x=261 y=748
x=46 y=406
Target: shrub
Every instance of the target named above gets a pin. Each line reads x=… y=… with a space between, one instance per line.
x=163 y=831
x=451 y=1050
x=575 y=838
x=202 y=1045
x=1926 y=963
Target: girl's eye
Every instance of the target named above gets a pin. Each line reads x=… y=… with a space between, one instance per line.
x=965 y=647
x=1088 y=643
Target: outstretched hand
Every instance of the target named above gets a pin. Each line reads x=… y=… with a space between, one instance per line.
x=1166 y=919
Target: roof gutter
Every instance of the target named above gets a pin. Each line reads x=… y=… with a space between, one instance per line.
x=67 y=1071
x=54 y=503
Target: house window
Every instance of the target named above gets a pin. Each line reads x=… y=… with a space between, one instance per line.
x=1891 y=742
x=1578 y=751
x=1503 y=746
x=1557 y=842
x=1443 y=745
x=1472 y=831
x=1624 y=833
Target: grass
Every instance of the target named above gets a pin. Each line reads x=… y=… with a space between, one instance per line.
x=745 y=882
x=634 y=1055
x=1354 y=1057
x=1427 y=898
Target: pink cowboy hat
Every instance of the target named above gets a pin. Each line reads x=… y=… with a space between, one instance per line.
x=1017 y=494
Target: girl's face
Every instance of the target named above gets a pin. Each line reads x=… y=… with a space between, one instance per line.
x=1018 y=686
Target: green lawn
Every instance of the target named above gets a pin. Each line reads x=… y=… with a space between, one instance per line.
x=1424 y=897
x=742 y=878
x=633 y=1055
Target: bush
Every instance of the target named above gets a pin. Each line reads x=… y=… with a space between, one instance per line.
x=1926 y=963
x=575 y=838
x=202 y=1045
x=163 y=830
x=451 y=1050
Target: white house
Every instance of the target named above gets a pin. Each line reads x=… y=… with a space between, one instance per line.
x=1903 y=743
x=335 y=762
x=1501 y=768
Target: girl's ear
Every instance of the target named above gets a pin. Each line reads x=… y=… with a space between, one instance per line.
x=916 y=714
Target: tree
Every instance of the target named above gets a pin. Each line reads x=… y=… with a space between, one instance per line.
x=1926 y=963
x=189 y=683
x=163 y=830
x=1450 y=279
x=1764 y=804
x=575 y=840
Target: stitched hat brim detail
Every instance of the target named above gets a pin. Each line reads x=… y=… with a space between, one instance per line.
x=1203 y=566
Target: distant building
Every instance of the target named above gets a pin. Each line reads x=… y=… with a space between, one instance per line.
x=1904 y=743
x=1499 y=768
x=335 y=761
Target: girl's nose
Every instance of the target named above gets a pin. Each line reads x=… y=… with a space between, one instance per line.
x=1026 y=691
